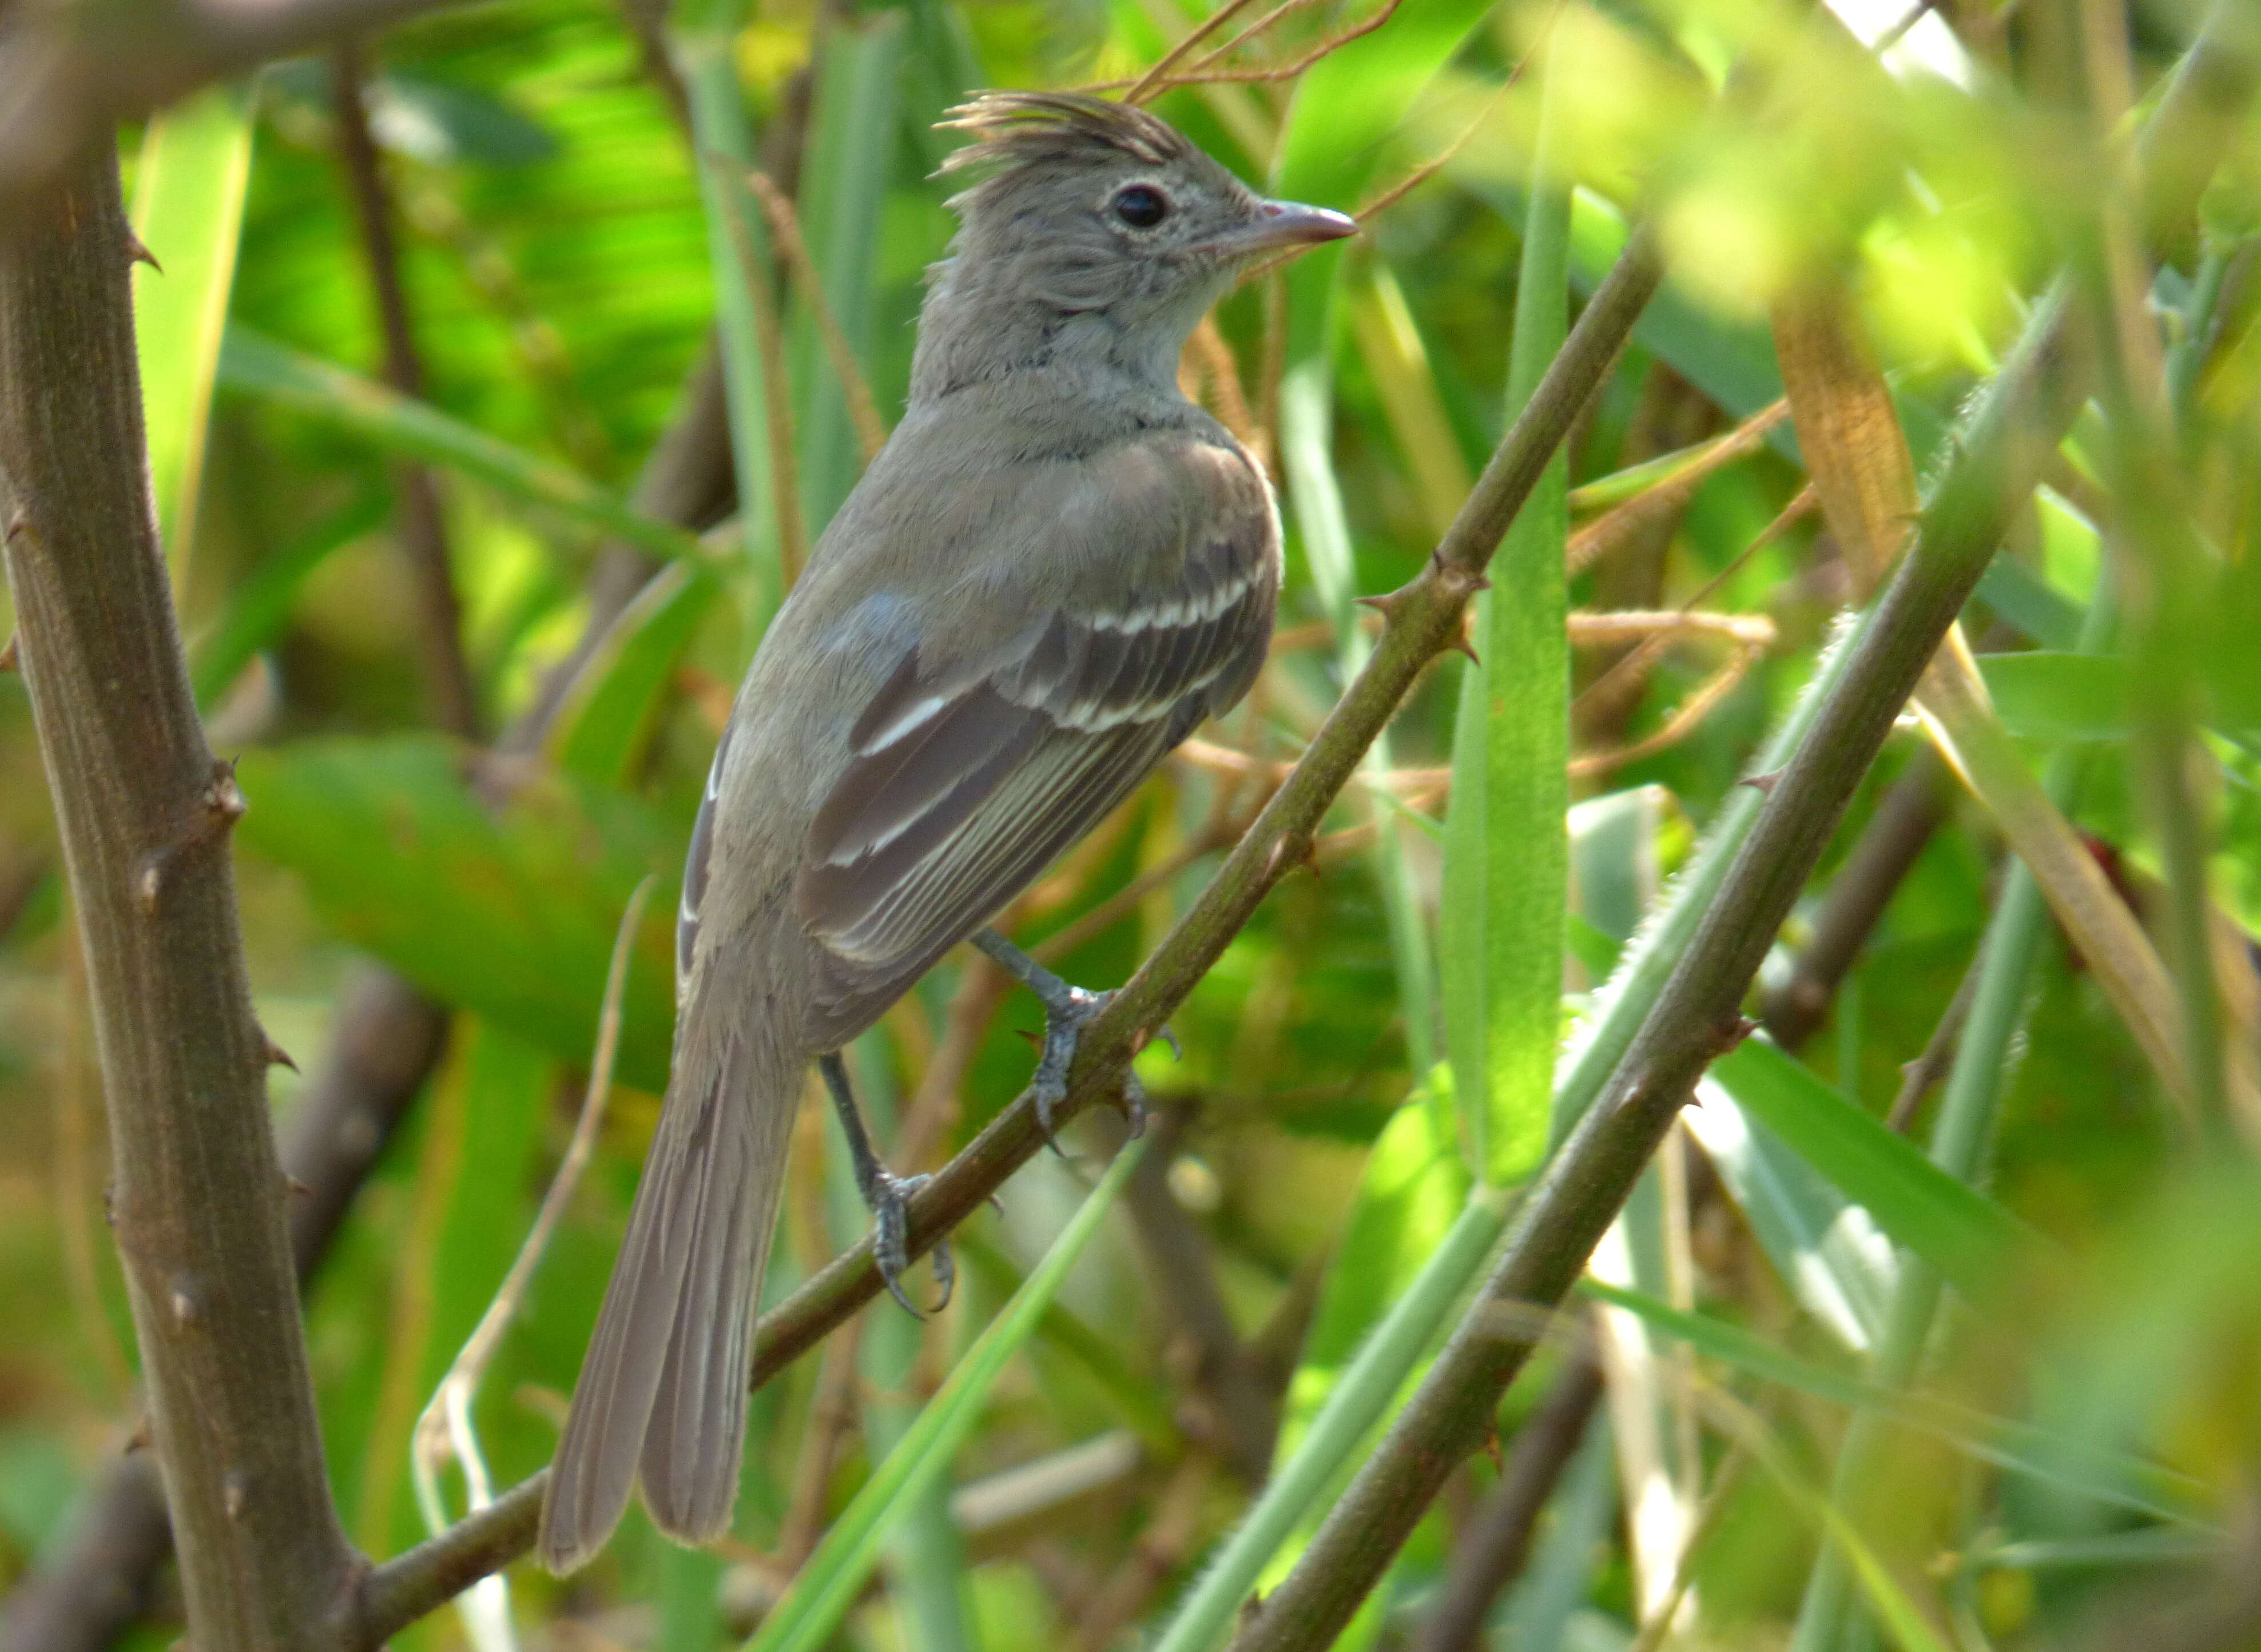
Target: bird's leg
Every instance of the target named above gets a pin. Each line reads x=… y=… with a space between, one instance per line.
x=1066 y=1010
x=888 y=1196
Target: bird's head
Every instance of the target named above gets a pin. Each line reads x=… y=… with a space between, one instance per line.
x=1100 y=209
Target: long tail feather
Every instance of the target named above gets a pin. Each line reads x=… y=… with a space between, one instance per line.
x=664 y=1385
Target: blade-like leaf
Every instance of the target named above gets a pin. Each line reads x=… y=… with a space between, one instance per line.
x=1506 y=874
x=827 y=1586
x=189 y=189
x=1958 y=1230
x=400 y=424
x=2113 y=1477
x=610 y=711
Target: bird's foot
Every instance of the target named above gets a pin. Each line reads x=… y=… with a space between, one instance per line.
x=886 y=1196
x=1069 y=1010
x=889 y=1198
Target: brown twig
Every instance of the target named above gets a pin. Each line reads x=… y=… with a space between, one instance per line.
x=1914 y=808
x=1672 y=491
x=1927 y=1069
x=1149 y=84
x=1233 y=1413
x=1161 y=1548
x=1287 y=71
x=387 y=1040
x=145 y=812
x=418 y=521
x=776 y=402
x=1493 y=1546
x=1644 y=653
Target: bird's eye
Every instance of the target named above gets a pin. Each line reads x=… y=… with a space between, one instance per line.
x=1141 y=205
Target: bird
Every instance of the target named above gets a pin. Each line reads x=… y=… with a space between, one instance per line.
x=1053 y=572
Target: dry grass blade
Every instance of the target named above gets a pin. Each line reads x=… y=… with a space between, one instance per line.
x=1613 y=527
x=445 y=1430
x=1860 y=467
x=777 y=403
x=863 y=411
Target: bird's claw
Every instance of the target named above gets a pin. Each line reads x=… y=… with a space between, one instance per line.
x=890 y=1198
x=1066 y=1016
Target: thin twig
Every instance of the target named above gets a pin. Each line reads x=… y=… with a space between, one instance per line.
x=422 y=529
x=1914 y=808
x=1638 y=659
x=1927 y=1069
x=1287 y=71
x=1146 y=85
x=1493 y=1546
x=776 y=402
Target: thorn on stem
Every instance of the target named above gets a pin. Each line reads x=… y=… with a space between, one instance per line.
x=143 y=1436
x=1762 y=783
x=274 y=1054
x=1459 y=643
x=138 y=253
x=1730 y=1034
x=219 y=806
x=292 y=1185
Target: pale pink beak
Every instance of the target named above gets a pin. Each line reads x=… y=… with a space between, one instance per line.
x=1285 y=224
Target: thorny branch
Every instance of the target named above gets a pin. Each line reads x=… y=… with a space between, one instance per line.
x=144 y=812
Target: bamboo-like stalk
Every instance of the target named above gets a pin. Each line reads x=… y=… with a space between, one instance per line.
x=144 y=812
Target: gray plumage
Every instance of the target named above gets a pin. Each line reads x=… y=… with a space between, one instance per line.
x=1054 y=571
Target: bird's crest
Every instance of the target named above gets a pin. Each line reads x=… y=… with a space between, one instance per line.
x=1013 y=129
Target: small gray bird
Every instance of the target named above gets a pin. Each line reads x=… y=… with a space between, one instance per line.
x=1054 y=571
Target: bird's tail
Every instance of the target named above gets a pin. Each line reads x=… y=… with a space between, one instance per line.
x=664 y=1389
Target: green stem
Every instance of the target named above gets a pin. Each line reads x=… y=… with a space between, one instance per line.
x=2008 y=952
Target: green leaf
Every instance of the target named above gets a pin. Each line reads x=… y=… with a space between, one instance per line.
x=827 y=1586
x=612 y=707
x=2058 y=698
x=2109 y=1476
x=1958 y=1230
x=511 y=915
x=189 y=190
x=400 y=424
x=259 y=607
x=1506 y=877
x=2030 y=602
x=1836 y=1260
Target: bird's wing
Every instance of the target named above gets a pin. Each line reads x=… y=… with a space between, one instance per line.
x=968 y=776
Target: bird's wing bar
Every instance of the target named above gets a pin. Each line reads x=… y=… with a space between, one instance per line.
x=963 y=789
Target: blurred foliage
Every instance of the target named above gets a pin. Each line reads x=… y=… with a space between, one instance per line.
x=2082 y=1422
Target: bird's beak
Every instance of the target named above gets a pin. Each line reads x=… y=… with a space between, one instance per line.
x=1286 y=224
